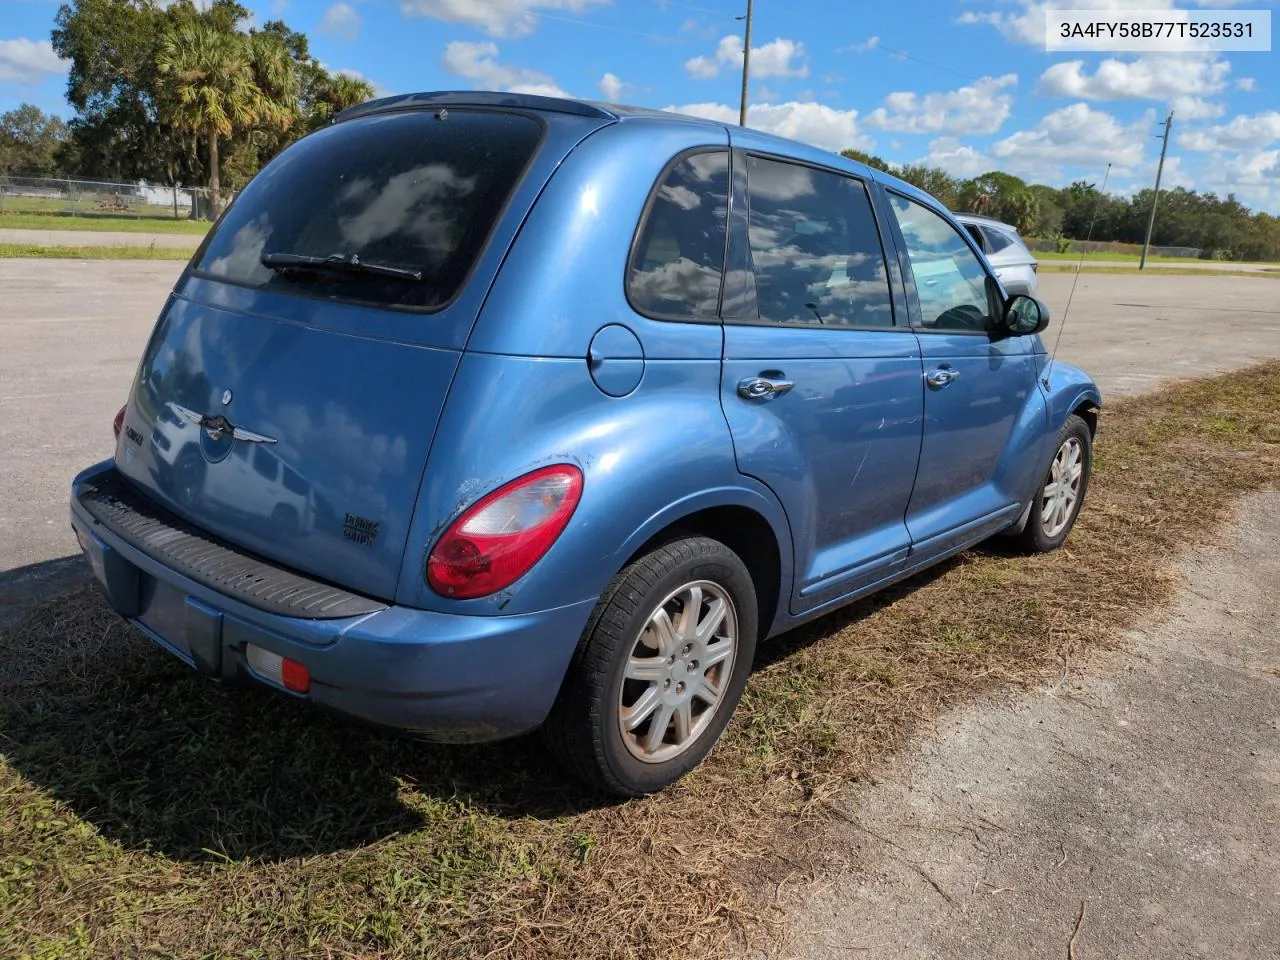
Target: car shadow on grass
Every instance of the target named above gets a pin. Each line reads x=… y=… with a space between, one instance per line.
x=159 y=758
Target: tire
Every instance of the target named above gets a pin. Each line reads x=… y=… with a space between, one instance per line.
x=627 y=634
x=1043 y=534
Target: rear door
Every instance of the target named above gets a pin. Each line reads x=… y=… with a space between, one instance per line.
x=288 y=408
x=978 y=386
x=820 y=387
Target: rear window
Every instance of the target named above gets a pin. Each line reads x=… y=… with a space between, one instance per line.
x=997 y=240
x=678 y=259
x=407 y=190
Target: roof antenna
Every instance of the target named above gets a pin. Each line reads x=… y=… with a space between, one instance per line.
x=1083 y=252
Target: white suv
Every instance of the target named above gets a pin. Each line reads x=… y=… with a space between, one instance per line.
x=1013 y=263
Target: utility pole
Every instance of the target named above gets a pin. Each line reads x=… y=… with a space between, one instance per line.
x=1151 y=221
x=746 y=66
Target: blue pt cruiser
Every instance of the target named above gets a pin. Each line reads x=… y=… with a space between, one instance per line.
x=478 y=413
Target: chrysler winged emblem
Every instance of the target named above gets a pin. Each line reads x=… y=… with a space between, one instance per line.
x=219 y=426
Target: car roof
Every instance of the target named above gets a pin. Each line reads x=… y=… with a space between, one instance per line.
x=620 y=112
x=982 y=218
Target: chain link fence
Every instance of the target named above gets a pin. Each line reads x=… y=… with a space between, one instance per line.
x=101 y=199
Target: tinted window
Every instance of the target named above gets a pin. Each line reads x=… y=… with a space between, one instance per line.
x=815 y=247
x=976 y=233
x=950 y=282
x=403 y=190
x=679 y=259
x=996 y=240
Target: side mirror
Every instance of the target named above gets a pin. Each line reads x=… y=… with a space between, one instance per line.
x=1024 y=316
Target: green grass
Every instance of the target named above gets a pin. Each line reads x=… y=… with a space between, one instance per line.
x=115 y=224
x=1126 y=257
x=150 y=252
x=1103 y=255
x=147 y=812
x=1158 y=271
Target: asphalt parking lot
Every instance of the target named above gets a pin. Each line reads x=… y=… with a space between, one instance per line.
x=73 y=332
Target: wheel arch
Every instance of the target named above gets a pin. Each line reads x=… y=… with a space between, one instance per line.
x=746 y=521
x=1088 y=410
x=747 y=534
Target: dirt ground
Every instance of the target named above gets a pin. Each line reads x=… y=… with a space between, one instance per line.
x=1132 y=809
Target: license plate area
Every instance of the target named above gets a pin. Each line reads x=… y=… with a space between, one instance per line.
x=188 y=627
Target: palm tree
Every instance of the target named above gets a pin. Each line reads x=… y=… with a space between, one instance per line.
x=335 y=93
x=347 y=91
x=210 y=88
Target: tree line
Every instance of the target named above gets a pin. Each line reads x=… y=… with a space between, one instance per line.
x=1222 y=229
x=175 y=94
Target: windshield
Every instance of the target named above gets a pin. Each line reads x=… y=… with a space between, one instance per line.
x=418 y=191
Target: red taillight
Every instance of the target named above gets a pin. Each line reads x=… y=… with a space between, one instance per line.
x=498 y=540
x=118 y=424
x=295 y=676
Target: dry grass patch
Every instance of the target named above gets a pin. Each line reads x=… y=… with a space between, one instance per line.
x=147 y=812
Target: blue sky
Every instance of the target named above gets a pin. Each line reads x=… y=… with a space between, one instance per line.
x=961 y=84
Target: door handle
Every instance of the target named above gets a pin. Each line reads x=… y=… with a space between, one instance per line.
x=941 y=377
x=755 y=388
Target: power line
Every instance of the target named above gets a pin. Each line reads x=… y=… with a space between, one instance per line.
x=686 y=6
x=928 y=63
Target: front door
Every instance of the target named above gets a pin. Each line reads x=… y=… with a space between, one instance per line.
x=820 y=388
x=978 y=388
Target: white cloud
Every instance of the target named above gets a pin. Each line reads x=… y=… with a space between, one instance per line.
x=1245 y=83
x=475 y=62
x=1196 y=108
x=511 y=18
x=1078 y=136
x=702 y=68
x=778 y=58
x=341 y=20
x=1152 y=77
x=1242 y=133
x=612 y=88
x=869 y=44
x=28 y=61
x=766 y=95
x=1253 y=176
x=1173 y=175
x=958 y=159
x=979 y=108
x=812 y=123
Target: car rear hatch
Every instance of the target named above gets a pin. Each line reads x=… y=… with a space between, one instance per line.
x=289 y=394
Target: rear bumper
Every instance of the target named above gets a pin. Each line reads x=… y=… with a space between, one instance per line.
x=445 y=677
